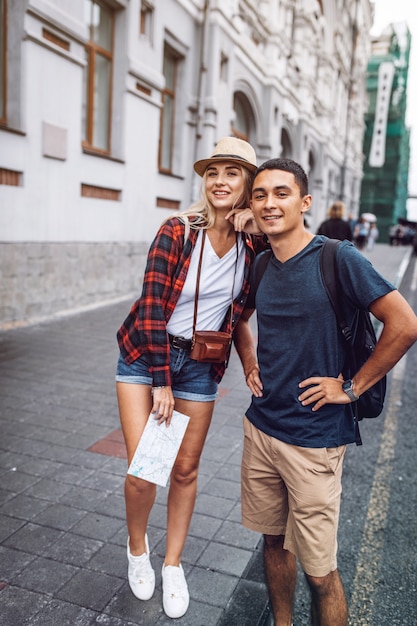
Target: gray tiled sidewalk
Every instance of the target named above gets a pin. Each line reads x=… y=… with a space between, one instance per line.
x=62 y=528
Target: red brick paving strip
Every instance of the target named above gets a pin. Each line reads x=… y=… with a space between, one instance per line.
x=111 y=445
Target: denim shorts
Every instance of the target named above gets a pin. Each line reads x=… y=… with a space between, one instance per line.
x=191 y=380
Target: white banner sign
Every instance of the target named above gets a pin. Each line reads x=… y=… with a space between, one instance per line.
x=383 y=99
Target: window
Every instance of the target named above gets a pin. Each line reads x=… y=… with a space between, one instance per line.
x=12 y=101
x=145 y=22
x=241 y=126
x=166 y=141
x=102 y=193
x=55 y=39
x=3 y=57
x=286 y=146
x=97 y=77
x=10 y=177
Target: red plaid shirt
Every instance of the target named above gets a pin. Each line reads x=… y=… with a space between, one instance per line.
x=144 y=331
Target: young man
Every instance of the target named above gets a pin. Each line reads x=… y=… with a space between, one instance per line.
x=299 y=420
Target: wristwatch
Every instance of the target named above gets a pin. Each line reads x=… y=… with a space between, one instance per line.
x=347 y=387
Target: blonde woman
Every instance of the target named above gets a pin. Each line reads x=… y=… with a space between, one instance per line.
x=155 y=373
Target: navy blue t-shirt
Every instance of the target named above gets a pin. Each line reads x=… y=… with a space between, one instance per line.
x=298 y=337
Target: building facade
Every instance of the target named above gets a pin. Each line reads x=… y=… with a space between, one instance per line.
x=387 y=138
x=106 y=104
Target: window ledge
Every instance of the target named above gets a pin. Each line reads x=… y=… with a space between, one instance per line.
x=171 y=175
x=108 y=157
x=14 y=131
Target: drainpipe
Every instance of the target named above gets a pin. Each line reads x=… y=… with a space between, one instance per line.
x=201 y=86
x=355 y=34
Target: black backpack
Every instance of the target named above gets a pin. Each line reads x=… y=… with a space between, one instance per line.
x=360 y=344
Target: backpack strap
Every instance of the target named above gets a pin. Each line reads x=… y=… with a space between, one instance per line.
x=258 y=270
x=330 y=275
x=261 y=262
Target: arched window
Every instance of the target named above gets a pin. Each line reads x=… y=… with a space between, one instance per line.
x=286 y=145
x=243 y=122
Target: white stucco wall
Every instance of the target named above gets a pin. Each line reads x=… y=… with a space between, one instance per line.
x=298 y=84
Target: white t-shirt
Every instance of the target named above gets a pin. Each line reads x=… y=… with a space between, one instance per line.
x=216 y=280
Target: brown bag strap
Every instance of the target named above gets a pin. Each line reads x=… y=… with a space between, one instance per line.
x=197 y=287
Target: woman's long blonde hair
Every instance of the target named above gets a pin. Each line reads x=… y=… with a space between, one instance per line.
x=203 y=212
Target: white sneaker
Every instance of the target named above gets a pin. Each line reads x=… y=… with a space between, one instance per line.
x=175 y=596
x=140 y=573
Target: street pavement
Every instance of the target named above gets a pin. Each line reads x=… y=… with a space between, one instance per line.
x=62 y=467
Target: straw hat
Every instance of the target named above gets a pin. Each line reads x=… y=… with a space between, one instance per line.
x=229 y=149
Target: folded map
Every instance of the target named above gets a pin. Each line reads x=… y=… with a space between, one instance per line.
x=158 y=448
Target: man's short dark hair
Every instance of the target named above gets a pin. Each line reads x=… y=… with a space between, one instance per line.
x=287 y=165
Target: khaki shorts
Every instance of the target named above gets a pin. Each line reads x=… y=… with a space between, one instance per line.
x=293 y=491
